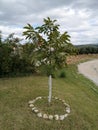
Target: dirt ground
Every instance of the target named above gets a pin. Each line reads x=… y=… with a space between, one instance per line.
x=81 y=58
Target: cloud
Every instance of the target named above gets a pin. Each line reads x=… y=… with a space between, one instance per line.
x=8 y=30
x=78 y=17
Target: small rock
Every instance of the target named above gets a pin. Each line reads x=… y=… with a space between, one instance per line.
x=39 y=114
x=62 y=117
x=67 y=109
x=63 y=101
x=56 y=117
x=66 y=115
x=66 y=104
x=30 y=102
x=35 y=110
x=38 y=98
x=31 y=105
x=50 y=117
x=45 y=116
x=56 y=98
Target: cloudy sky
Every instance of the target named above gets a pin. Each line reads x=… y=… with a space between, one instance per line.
x=78 y=17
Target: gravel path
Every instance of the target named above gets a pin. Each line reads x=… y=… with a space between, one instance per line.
x=90 y=70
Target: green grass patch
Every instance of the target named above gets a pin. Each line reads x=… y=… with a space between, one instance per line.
x=77 y=91
x=50 y=109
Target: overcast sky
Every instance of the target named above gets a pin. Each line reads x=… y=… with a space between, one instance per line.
x=78 y=17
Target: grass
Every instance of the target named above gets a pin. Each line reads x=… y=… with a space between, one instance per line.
x=80 y=93
x=44 y=107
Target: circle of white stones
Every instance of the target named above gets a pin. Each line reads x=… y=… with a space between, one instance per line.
x=49 y=116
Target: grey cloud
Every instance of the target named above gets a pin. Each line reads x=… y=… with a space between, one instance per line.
x=13 y=10
x=19 y=12
x=90 y=4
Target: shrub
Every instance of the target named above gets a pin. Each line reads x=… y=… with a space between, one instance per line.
x=62 y=74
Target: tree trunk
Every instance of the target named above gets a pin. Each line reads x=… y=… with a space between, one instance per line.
x=50 y=89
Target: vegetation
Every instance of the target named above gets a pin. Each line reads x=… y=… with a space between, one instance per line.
x=87 y=49
x=44 y=52
x=14 y=57
x=18 y=59
x=50 y=46
x=80 y=93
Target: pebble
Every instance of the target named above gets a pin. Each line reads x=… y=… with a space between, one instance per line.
x=31 y=105
x=66 y=115
x=30 y=102
x=38 y=98
x=66 y=104
x=36 y=111
x=50 y=117
x=56 y=117
x=62 y=117
x=39 y=114
x=45 y=116
x=67 y=109
x=56 y=98
x=33 y=108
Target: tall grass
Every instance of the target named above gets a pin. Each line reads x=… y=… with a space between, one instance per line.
x=80 y=93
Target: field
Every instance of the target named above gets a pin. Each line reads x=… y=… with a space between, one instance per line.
x=80 y=93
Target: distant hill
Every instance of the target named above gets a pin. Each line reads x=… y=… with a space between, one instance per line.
x=87 y=45
x=87 y=49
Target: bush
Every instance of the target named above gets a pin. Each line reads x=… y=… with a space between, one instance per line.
x=62 y=74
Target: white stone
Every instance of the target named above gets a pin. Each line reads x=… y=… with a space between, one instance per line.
x=62 y=117
x=38 y=98
x=45 y=116
x=56 y=98
x=66 y=115
x=67 y=109
x=56 y=117
x=50 y=117
x=30 y=102
x=63 y=101
x=39 y=114
x=31 y=105
x=35 y=110
x=66 y=104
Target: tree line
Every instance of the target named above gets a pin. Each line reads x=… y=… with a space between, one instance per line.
x=87 y=49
